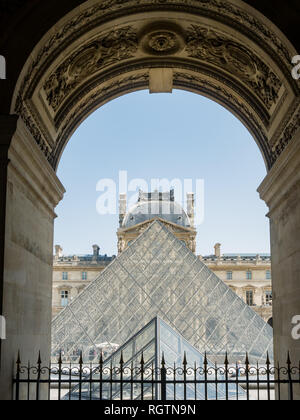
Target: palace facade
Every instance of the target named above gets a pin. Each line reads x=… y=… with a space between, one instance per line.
x=248 y=275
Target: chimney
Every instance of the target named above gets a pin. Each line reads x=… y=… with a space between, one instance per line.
x=218 y=250
x=96 y=251
x=58 y=251
x=122 y=208
x=191 y=208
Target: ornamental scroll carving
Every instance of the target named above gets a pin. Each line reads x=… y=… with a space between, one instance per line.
x=100 y=95
x=207 y=45
x=290 y=130
x=113 y=47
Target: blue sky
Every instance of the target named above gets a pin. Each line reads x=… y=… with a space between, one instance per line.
x=182 y=135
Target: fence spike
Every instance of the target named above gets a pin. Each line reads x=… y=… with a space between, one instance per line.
x=122 y=359
x=39 y=359
x=101 y=359
x=18 y=363
x=163 y=362
x=60 y=358
x=142 y=359
x=268 y=359
x=247 y=360
x=184 y=359
x=226 y=360
x=289 y=359
x=19 y=358
x=81 y=359
x=205 y=359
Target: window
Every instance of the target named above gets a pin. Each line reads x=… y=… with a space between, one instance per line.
x=268 y=296
x=229 y=275
x=268 y=275
x=249 y=297
x=64 y=298
x=249 y=275
x=84 y=276
x=65 y=276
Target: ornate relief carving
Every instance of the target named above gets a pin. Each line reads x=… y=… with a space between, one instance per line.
x=289 y=132
x=36 y=133
x=112 y=47
x=204 y=7
x=205 y=44
x=184 y=79
x=112 y=89
x=162 y=39
x=202 y=83
x=91 y=17
x=163 y=42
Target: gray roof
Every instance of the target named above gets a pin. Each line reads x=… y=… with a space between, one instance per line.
x=147 y=210
x=156 y=205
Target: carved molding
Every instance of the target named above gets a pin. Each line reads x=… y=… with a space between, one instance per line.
x=203 y=85
x=91 y=17
x=110 y=48
x=162 y=39
x=207 y=45
x=254 y=73
x=100 y=95
x=291 y=127
x=36 y=133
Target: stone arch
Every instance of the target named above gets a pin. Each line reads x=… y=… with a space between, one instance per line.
x=232 y=55
x=223 y=49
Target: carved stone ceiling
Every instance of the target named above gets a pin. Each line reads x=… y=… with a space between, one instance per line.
x=107 y=49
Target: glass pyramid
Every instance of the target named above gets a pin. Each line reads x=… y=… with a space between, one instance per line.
x=157 y=275
x=154 y=340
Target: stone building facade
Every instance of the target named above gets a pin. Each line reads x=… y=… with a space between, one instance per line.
x=249 y=276
x=71 y=274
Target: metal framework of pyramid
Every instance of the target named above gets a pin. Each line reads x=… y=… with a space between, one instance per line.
x=157 y=275
x=154 y=340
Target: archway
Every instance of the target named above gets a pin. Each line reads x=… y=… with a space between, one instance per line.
x=226 y=51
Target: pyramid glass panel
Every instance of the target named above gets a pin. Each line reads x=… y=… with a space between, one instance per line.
x=157 y=275
x=151 y=342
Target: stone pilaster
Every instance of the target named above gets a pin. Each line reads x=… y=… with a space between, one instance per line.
x=281 y=191
x=33 y=191
x=8 y=124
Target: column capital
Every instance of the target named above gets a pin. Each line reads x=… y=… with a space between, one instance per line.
x=284 y=177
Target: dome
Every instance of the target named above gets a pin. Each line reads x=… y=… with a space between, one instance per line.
x=147 y=210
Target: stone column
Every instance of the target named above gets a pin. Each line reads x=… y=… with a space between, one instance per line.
x=33 y=191
x=281 y=191
x=8 y=125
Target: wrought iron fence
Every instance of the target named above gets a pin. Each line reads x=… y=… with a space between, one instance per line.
x=147 y=382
